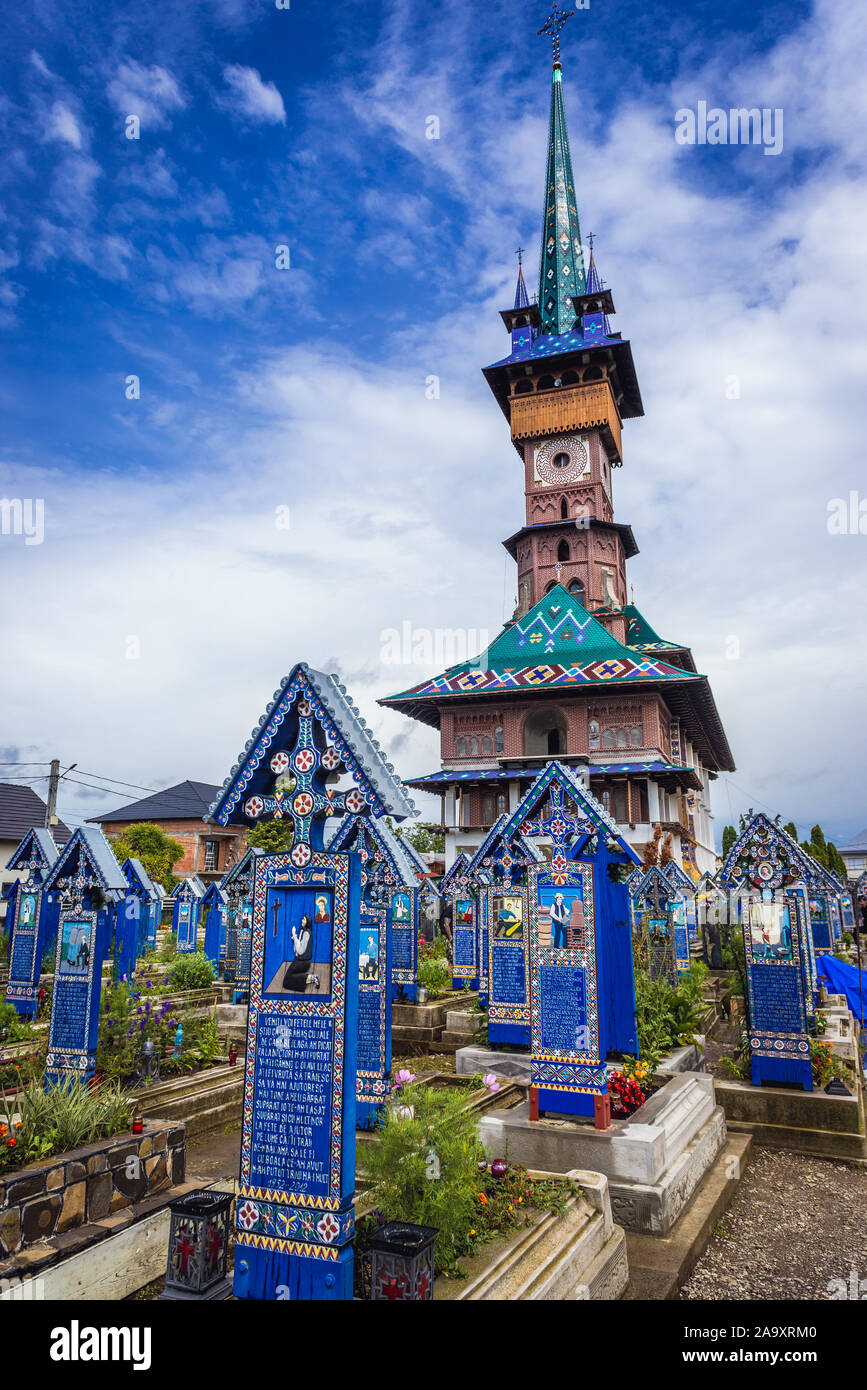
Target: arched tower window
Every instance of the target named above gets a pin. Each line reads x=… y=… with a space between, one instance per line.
x=563 y=551
x=487 y=748
x=564 y=509
x=622 y=739
x=545 y=733
x=501 y=804
x=488 y=809
x=462 y=748
x=577 y=588
x=593 y=733
x=499 y=739
x=636 y=737
x=474 y=747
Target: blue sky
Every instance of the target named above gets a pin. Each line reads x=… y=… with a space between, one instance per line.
x=266 y=389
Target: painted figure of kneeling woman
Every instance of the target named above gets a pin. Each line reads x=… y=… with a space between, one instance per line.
x=297 y=971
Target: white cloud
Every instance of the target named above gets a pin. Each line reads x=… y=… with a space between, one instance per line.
x=151 y=93
x=252 y=98
x=62 y=125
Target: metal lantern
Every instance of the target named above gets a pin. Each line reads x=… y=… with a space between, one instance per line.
x=198 y=1245
x=148 y=1064
x=402 y=1263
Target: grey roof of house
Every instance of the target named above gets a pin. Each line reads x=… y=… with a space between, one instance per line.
x=21 y=809
x=857 y=845
x=352 y=728
x=185 y=801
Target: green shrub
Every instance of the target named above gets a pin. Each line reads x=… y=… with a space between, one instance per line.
x=428 y=1167
x=13 y=1027
x=192 y=972
x=435 y=974
x=64 y=1118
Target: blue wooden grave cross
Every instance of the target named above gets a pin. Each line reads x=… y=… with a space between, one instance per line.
x=297 y=796
x=561 y=827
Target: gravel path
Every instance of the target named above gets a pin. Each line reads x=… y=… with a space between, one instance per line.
x=796 y=1224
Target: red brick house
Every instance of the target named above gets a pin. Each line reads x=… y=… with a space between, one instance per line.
x=209 y=850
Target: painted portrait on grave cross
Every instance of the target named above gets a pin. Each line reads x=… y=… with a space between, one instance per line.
x=464 y=915
x=400 y=909
x=368 y=955
x=561 y=918
x=27 y=913
x=76 y=948
x=298 y=943
x=508 y=918
x=770 y=934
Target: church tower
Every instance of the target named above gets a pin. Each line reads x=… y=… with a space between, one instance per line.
x=577 y=673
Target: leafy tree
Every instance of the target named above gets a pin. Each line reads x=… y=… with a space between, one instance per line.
x=156 y=850
x=791 y=829
x=728 y=838
x=273 y=836
x=427 y=839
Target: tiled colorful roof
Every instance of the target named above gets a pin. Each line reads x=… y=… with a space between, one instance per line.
x=556 y=644
x=562 y=273
x=449 y=776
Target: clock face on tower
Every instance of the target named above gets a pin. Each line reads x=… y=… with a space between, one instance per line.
x=565 y=459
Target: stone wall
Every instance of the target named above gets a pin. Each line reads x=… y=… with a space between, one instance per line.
x=86 y=1185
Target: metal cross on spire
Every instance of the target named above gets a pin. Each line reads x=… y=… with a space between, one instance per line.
x=552 y=26
x=520 y=254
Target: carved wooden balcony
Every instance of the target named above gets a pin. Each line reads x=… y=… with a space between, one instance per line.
x=567 y=408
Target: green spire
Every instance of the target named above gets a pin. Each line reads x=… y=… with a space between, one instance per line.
x=562 y=272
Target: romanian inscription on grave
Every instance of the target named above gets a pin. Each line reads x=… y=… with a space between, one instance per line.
x=70 y=1022
x=465 y=947
x=23 y=956
x=563 y=990
x=776 y=999
x=508 y=972
x=291 y=1135
x=369 y=1030
x=401 y=945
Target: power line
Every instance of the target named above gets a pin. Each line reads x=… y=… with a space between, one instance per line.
x=135 y=785
x=189 y=812
x=761 y=803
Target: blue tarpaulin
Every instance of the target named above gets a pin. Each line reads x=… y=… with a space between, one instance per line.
x=843 y=979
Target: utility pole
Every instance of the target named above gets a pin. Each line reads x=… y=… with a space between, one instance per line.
x=54 y=778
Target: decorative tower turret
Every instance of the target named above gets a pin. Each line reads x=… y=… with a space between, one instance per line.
x=578 y=673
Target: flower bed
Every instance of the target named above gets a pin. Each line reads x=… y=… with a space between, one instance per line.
x=86 y=1184
x=426 y=1165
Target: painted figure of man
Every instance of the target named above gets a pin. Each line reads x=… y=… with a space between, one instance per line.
x=560 y=915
